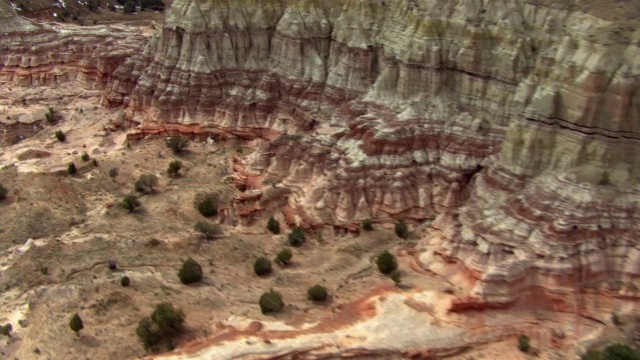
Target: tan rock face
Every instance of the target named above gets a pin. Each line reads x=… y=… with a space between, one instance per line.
x=513 y=124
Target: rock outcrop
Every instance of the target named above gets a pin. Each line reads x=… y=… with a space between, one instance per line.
x=35 y=55
x=511 y=124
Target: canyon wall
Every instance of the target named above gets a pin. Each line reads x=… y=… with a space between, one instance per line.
x=511 y=125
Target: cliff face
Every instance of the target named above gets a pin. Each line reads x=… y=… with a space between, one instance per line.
x=35 y=55
x=513 y=124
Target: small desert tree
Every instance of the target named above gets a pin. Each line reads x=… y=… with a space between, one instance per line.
x=262 y=266
x=401 y=229
x=271 y=302
x=75 y=323
x=145 y=183
x=60 y=136
x=148 y=333
x=177 y=143
x=296 y=236
x=273 y=225
x=3 y=192
x=168 y=319
x=6 y=329
x=131 y=203
x=113 y=173
x=523 y=343
x=284 y=257
x=174 y=168
x=396 y=276
x=367 y=225
x=85 y=157
x=317 y=293
x=190 y=272
x=207 y=229
x=51 y=116
x=386 y=262
x=72 y=169
x=207 y=204
x=125 y=281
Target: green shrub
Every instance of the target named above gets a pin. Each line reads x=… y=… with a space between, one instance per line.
x=71 y=169
x=145 y=183
x=620 y=352
x=148 y=333
x=615 y=318
x=177 y=144
x=113 y=173
x=317 y=293
x=523 y=343
x=129 y=7
x=207 y=229
x=271 y=302
x=273 y=225
x=190 y=272
x=168 y=319
x=60 y=136
x=130 y=203
x=401 y=229
x=297 y=237
x=125 y=281
x=6 y=329
x=262 y=266
x=207 y=204
x=174 y=168
x=85 y=157
x=155 y=5
x=284 y=257
x=3 y=192
x=367 y=225
x=396 y=276
x=94 y=163
x=386 y=262
x=75 y=323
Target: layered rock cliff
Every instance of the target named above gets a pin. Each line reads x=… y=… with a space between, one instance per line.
x=512 y=124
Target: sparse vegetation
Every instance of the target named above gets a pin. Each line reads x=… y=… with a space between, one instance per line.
x=146 y=183
x=386 y=262
x=6 y=329
x=190 y=272
x=317 y=293
x=75 y=323
x=271 y=302
x=85 y=157
x=612 y=352
x=3 y=192
x=164 y=323
x=177 y=144
x=129 y=7
x=208 y=229
x=71 y=169
x=284 y=257
x=113 y=173
x=615 y=318
x=396 y=276
x=262 y=266
x=207 y=204
x=604 y=179
x=401 y=229
x=174 y=168
x=524 y=343
x=273 y=225
x=367 y=225
x=297 y=237
x=155 y=5
x=125 y=281
x=60 y=136
x=94 y=162
x=130 y=203
x=51 y=116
